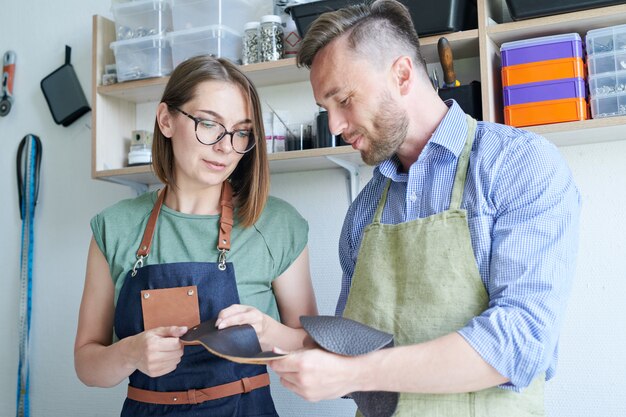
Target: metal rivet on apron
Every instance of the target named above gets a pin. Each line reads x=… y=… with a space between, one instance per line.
x=223 y=240
x=144 y=247
x=175 y=398
x=190 y=292
x=146 y=295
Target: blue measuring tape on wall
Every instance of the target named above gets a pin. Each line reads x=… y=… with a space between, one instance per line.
x=28 y=163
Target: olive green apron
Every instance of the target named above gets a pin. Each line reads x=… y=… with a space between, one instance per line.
x=419 y=280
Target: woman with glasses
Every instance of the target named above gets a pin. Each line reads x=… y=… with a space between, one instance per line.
x=210 y=244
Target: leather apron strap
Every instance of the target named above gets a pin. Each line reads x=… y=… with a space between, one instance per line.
x=226 y=226
x=197 y=396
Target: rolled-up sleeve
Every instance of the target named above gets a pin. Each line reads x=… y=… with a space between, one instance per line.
x=534 y=241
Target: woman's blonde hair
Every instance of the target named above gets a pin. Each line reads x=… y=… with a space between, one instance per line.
x=250 y=180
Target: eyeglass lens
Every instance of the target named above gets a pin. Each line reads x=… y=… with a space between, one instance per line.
x=209 y=132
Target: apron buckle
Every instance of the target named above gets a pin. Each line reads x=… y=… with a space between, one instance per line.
x=138 y=264
x=222 y=260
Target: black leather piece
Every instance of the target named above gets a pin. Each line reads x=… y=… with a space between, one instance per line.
x=236 y=343
x=344 y=336
x=351 y=338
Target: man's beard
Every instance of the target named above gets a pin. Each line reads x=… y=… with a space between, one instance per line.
x=391 y=125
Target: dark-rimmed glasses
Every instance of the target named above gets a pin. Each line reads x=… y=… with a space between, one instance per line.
x=209 y=132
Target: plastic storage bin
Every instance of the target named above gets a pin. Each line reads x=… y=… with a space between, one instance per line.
x=544 y=90
x=552 y=69
x=468 y=96
x=525 y=9
x=609 y=39
x=546 y=112
x=142 y=18
x=524 y=51
x=187 y=14
x=607 y=62
x=605 y=84
x=217 y=40
x=145 y=57
x=608 y=106
x=429 y=18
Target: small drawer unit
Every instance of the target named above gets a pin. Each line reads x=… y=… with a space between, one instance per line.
x=141 y=18
x=150 y=56
x=606 y=63
x=544 y=80
x=220 y=41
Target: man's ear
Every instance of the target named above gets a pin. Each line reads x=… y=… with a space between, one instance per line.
x=404 y=74
x=165 y=120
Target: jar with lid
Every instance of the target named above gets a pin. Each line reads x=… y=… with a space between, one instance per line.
x=271 y=38
x=250 y=52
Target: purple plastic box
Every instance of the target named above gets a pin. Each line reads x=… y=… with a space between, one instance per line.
x=568 y=45
x=545 y=90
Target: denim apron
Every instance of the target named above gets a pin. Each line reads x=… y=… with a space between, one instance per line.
x=216 y=288
x=419 y=281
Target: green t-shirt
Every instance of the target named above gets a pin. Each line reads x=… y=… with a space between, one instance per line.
x=259 y=253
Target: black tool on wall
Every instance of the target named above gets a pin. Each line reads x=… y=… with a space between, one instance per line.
x=64 y=94
x=8 y=74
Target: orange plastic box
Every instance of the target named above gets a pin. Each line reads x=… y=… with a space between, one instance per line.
x=553 y=69
x=546 y=112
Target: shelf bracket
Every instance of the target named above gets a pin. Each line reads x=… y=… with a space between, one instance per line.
x=353 y=172
x=138 y=187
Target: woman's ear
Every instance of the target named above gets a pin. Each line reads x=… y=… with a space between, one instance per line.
x=165 y=120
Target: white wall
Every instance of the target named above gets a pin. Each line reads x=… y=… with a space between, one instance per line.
x=593 y=364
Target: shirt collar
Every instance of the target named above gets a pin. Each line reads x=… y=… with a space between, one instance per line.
x=452 y=131
x=450 y=134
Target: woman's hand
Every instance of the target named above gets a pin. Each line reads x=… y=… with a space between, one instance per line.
x=238 y=314
x=156 y=352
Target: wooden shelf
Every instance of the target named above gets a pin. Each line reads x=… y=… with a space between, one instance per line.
x=292 y=161
x=114 y=106
x=580 y=22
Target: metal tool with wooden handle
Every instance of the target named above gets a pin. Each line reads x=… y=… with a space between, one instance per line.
x=446 y=60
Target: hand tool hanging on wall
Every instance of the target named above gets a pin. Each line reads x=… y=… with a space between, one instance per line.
x=8 y=73
x=28 y=163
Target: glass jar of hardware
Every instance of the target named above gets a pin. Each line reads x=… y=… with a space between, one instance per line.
x=250 y=52
x=271 y=38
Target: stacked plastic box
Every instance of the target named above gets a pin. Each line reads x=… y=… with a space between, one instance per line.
x=606 y=61
x=211 y=27
x=141 y=48
x=543 y=80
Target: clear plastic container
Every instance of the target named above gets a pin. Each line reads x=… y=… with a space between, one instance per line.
x=608 y=106
x=609 y=39
x=271 y=38
x=220 y=41
x=137 y=19
x=607 y=62
x=146 y=57
x=187 y=14
x=607 y=84
x=250 y=47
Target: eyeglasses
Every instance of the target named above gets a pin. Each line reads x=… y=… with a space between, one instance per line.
x=209 y=132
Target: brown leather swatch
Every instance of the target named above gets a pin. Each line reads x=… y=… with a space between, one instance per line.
x=170 y=307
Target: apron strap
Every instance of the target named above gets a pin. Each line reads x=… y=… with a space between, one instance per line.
x=226 y=224
x=462 y=165
x=381 y=203
x=226 y=217
x=146 y=241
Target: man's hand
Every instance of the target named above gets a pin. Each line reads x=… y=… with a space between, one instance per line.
x=315 y=374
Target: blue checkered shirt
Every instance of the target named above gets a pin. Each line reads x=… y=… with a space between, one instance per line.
x=523 y=213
